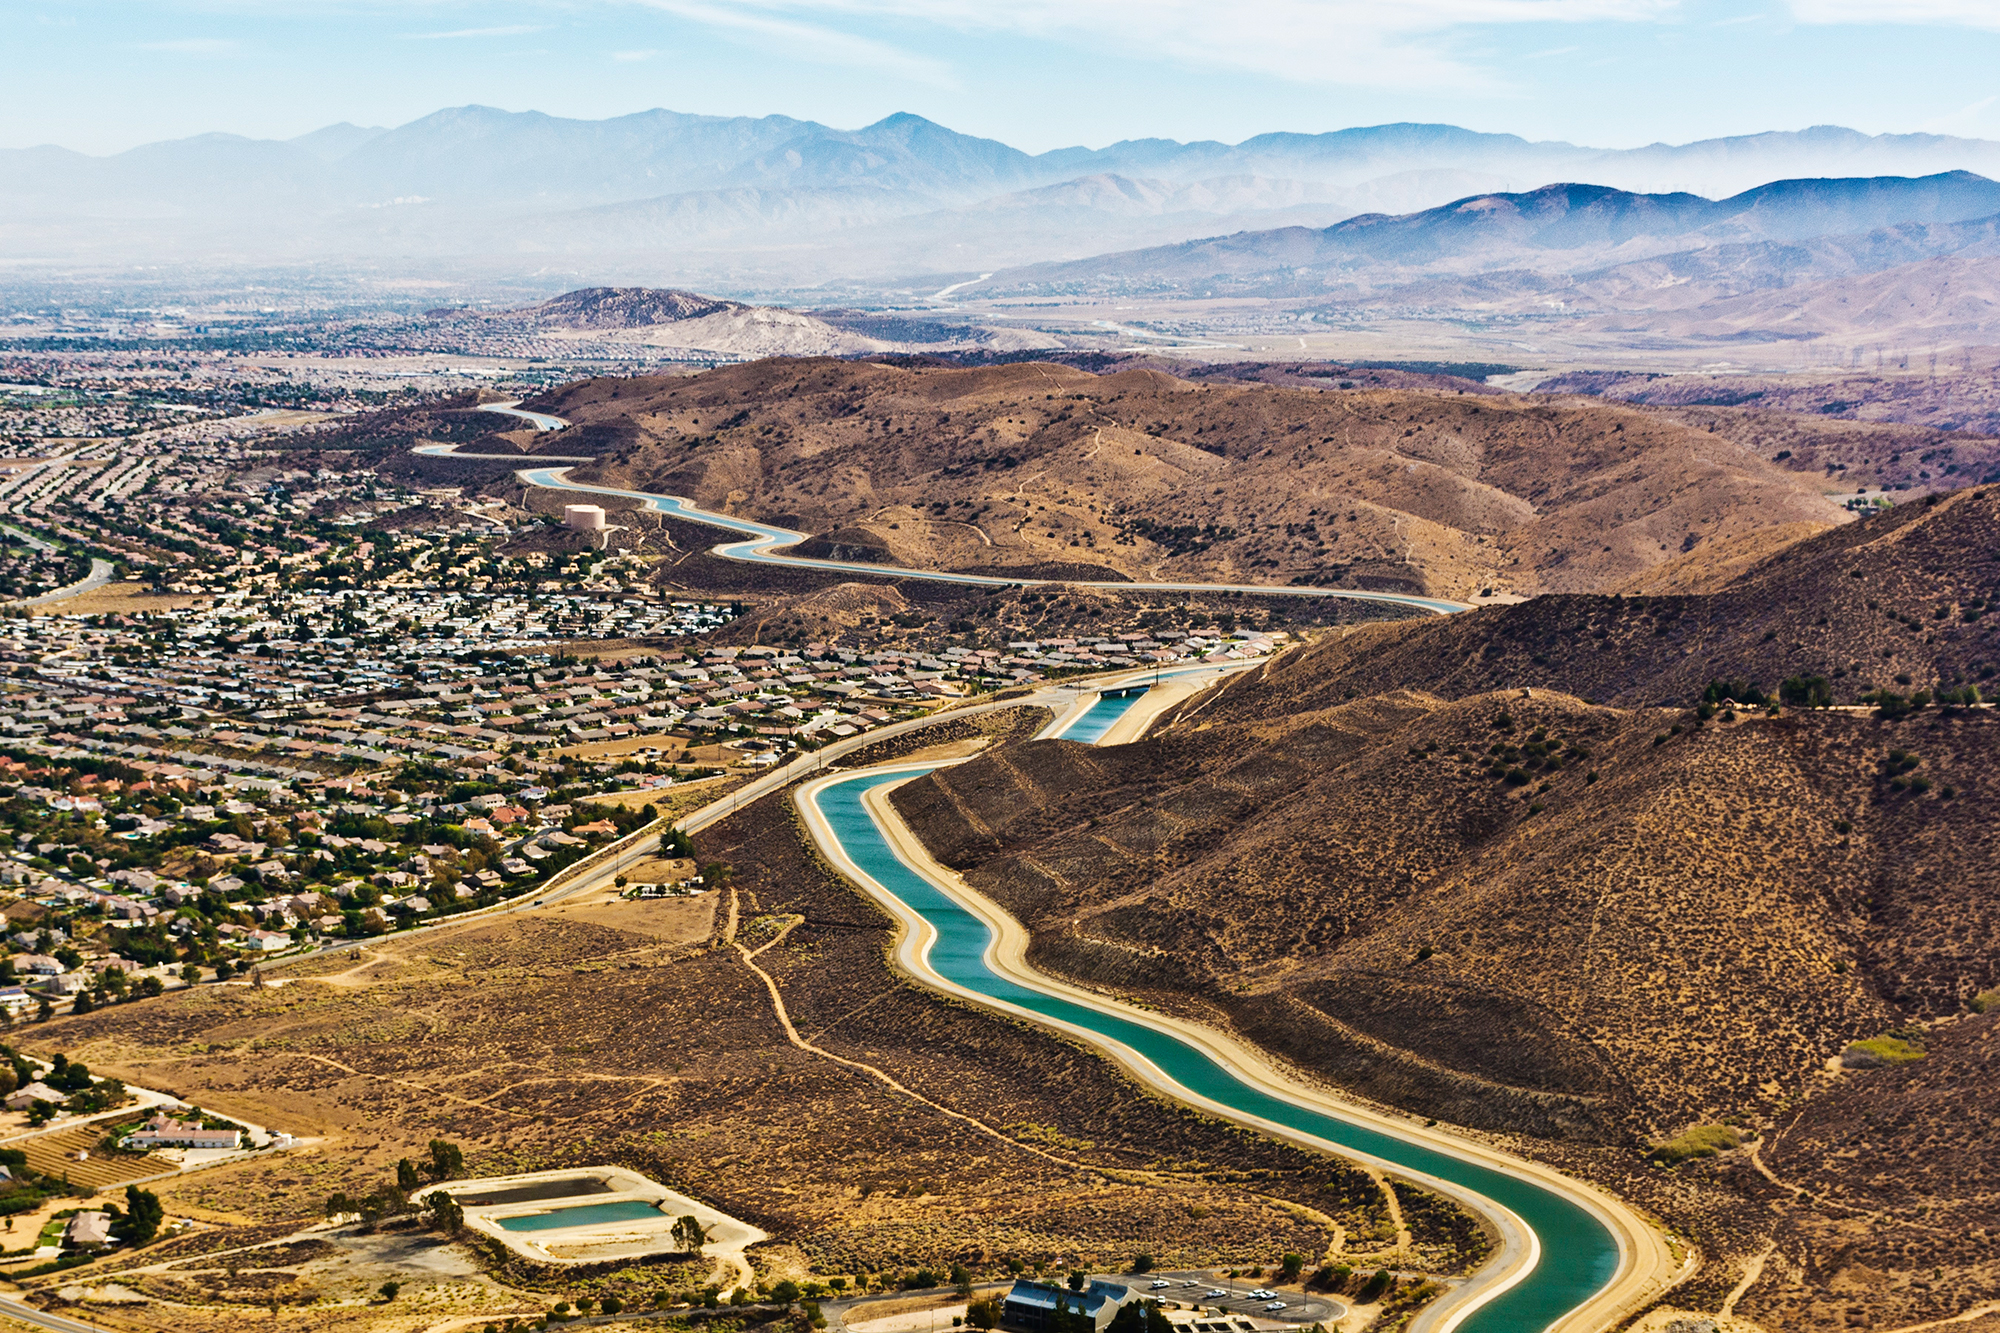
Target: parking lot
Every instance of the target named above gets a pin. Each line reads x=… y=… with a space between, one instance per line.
x=1236 y=1298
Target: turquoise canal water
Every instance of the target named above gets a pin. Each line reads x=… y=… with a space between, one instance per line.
x=1579 y=1256
x=1090 y=728
x=763 y=541
x=583 y=1215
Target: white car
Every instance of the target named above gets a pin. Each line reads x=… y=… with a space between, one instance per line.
x=1274 y=1305
x=1157 y=1286
x=1214 y=1294
x=1263 y=1295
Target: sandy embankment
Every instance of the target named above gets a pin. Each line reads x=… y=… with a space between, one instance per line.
x=1646 y=1267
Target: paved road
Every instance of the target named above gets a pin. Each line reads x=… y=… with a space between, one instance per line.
x=28 y=539
x=539 y=420
x=55 y=1323
x=99 y=575
x=1062 y=699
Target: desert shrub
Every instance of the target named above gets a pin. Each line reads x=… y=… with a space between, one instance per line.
x=1701 y=1141
x=1374 y=1287
x=1334 y=1278
x=1876 y=1052
x=1986 y=1000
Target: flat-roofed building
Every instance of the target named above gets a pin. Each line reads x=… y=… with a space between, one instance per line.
x=1031 y=1306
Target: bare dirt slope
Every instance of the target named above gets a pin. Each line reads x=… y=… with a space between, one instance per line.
x=1900 y=600
x=1386 y=860
x=1144 y=475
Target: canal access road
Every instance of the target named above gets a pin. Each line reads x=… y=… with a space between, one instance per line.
x=765 y=544
x=1569 y=1257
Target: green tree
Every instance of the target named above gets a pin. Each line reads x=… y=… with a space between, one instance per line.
x=389 y=1290
x=983 y=1313
x=961 y=1280
x=1142 y=1263
x=1806 y=692
x=447 y=1160
x=689 y=1235
x=407 y=1178
x=143 y=1214
x=446 y=1213
x=1141 y=1317
x=1293 y=1265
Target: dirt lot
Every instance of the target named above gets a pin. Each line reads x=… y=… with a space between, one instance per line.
x=671 y=748
x=672 y=802
x=121 y=598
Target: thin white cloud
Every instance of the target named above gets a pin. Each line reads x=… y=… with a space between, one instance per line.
x=632 y=57
x=805 y=40
x=510 y=30
x=1402 y=43
x=1952 y=13
x=1959 y=121
x=195 y=46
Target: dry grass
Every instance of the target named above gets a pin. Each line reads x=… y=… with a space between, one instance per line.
x=119 y=598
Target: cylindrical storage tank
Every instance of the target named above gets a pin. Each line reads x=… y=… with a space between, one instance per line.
x=584 y=518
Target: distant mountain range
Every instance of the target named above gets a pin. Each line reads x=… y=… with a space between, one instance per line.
x=1554 y=226
x=761 y=203
x=1844 y=264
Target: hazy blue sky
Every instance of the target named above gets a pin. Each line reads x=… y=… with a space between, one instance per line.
x=102 y=75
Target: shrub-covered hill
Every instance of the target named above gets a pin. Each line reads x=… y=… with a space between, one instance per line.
x=1592 y=925
x=1906 y=600
x=1511 y=910
x=1150 y=476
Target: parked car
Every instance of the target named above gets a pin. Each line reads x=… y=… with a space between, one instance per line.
x=1274 y=1305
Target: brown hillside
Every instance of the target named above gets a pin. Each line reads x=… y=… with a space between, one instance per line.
x=1654 y=924
x=1899 y=600
x=1293 y=879
x=1021 y=466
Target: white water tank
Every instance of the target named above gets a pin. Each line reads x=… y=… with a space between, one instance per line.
x=584 y=518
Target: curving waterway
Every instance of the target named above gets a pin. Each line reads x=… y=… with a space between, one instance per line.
x=1570 y=1254
x=762 y=543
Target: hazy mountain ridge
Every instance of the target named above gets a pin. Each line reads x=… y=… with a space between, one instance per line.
x=1563 y=226
x=898 y=196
